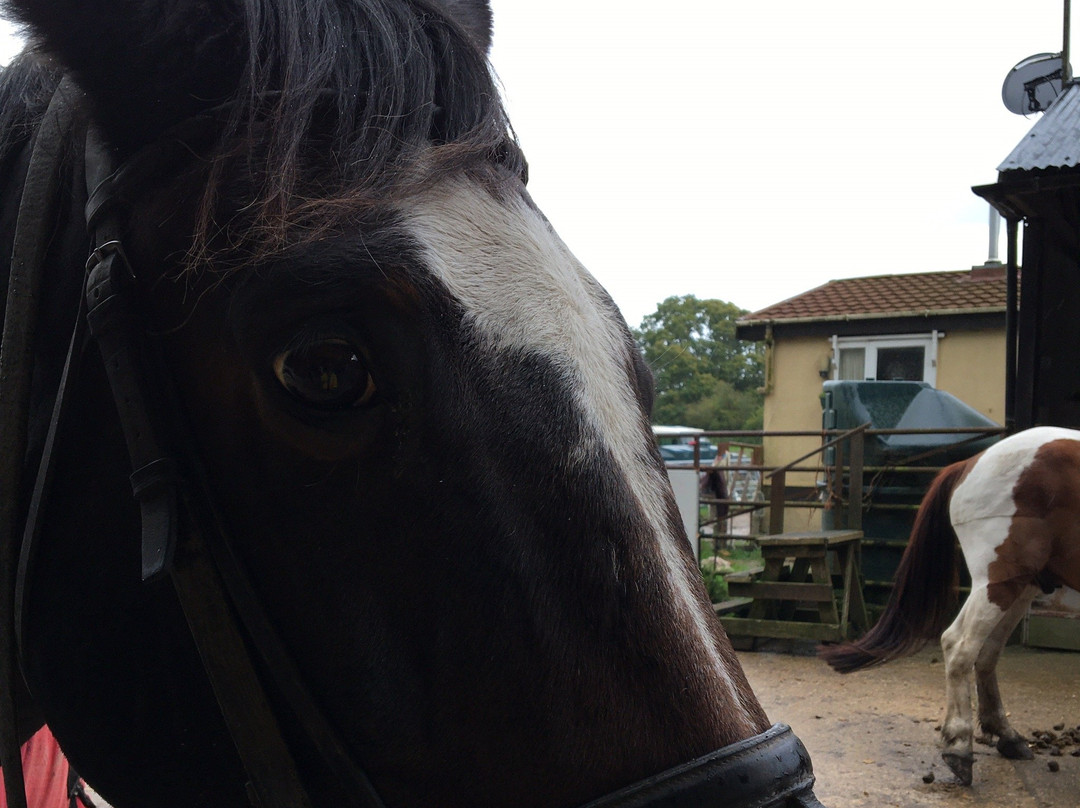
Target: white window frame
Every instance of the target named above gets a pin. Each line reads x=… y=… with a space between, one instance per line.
x=928 y=342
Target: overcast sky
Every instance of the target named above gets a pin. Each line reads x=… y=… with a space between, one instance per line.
x=752 y=151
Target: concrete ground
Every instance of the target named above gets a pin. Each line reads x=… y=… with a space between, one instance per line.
x=872 y=734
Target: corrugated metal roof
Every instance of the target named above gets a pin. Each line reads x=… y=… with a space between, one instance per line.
x=981 y=289
x=1054 y=141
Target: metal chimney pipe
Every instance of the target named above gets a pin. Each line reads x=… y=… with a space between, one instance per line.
x=995 y=229
x=1066 y=71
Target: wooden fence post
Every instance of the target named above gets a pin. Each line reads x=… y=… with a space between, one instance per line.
x=855 y=484
x=776 y=503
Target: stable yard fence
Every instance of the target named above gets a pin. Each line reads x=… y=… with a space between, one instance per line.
x=758 y=496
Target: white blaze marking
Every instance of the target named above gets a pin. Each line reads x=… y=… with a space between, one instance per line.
x=523 y=289
x=982 y=507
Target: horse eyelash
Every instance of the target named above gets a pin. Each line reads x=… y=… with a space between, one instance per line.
x=311 y=335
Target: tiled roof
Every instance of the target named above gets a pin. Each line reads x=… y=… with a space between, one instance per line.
x=980 y=290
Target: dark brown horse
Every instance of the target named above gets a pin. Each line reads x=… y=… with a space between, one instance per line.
x=330 y=326
x=1015 y=510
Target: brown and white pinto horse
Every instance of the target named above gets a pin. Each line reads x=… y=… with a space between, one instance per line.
x=316 y=275
x=1015 y=510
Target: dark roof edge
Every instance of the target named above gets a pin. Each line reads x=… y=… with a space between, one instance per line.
x=1014 y=192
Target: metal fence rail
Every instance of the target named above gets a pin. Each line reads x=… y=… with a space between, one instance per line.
x=754 y=486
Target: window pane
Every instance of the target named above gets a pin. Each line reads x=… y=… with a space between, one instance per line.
x=853 y=364
x=900 y=364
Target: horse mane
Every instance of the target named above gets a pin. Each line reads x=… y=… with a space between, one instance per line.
x=360 y=101
x=26 y=85
x=925 y=593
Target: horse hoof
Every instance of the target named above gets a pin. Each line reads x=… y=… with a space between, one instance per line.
x=1015 y=748
x=960 y=765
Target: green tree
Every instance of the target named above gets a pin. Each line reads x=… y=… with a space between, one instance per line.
x=705 y=377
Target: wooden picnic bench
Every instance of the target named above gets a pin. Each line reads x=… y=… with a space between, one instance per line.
x=795 y=596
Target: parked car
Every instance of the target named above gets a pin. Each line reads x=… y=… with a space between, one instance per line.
x=677 y=445
x=677 y=454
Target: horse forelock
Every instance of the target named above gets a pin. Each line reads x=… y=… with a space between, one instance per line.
x=342 y=105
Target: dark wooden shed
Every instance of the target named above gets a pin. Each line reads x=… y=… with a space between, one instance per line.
x=1038 y=188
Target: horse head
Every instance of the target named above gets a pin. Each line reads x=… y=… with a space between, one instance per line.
x=421 y=423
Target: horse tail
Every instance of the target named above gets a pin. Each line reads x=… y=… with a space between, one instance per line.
x=924 y=594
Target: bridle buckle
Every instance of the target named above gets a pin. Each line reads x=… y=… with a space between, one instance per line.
x=109 y=249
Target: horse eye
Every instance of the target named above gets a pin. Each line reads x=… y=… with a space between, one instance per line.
x=327 y=374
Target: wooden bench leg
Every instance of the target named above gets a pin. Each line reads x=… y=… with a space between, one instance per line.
x=853 y=618
x=763 y=609
x=821 y=574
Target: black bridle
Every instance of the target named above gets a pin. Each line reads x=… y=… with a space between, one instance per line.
x=183 y=538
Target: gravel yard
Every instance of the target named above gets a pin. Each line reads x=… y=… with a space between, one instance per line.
x=872 y=734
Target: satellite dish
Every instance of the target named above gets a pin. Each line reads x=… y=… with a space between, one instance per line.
x=1033 y=84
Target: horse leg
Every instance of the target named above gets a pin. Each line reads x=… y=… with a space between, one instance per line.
x=991 y=711
x=961 y=645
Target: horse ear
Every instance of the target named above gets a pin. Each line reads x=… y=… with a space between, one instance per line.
x=474 y=16
x=144 y=65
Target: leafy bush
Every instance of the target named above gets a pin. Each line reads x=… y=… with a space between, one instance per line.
x=716 y=584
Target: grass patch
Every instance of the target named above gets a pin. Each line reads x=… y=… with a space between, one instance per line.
x=716 y=584
x=741 y=555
